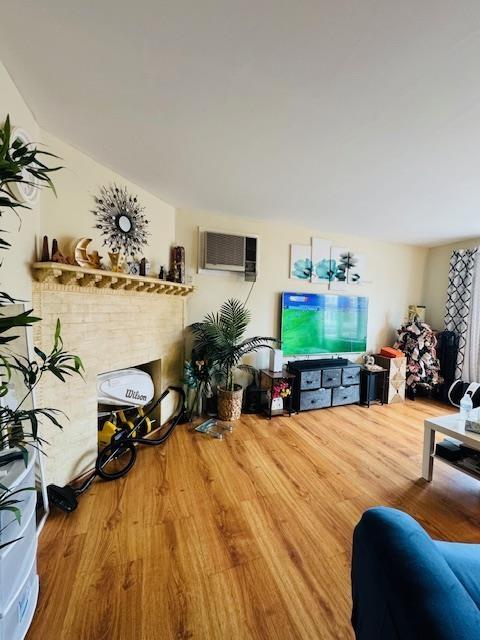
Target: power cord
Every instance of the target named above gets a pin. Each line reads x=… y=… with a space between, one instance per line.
x=251 y=289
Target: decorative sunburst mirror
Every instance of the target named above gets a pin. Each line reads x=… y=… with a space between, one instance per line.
x=121 y=221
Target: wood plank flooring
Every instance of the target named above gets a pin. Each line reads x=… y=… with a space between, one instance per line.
x=248 y=537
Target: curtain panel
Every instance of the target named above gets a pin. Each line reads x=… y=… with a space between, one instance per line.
x=462 y=310
x=471 y=362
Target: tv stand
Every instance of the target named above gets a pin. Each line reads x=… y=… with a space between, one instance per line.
x=324 y=383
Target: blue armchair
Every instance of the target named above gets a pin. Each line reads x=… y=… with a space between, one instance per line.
x=406 y=586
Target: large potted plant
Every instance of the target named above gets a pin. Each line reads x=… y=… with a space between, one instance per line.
x=219 y=340
x=19 y=421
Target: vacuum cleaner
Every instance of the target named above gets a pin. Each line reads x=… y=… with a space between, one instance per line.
x=125 y=388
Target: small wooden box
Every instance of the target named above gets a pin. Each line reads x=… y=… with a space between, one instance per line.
x=396 y=377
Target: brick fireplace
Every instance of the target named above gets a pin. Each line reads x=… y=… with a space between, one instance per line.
x=109 y=328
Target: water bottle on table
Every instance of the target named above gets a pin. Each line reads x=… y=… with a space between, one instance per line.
x=466 y=406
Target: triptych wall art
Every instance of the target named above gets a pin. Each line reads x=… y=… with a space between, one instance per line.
x=320 y=262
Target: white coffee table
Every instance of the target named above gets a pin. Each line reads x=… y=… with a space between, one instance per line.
x=453 y=426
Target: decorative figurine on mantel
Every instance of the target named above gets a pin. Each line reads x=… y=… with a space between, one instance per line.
x=96 y=259
x=116 y=262
x=144 y=267
x=57 y=255
x=85 y=259
x=178 y=264
x=45 y=250
x=134 y=268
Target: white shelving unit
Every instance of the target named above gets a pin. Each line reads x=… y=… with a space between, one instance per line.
x=18 y=560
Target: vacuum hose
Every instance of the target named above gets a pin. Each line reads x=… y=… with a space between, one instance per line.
x=66 y=497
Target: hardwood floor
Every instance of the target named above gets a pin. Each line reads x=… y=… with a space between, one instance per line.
x=248 y=537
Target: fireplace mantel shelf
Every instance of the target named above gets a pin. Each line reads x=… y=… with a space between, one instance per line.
x=68 y=274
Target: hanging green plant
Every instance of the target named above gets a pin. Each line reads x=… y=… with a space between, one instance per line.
x=20 y=163
x=19 y=426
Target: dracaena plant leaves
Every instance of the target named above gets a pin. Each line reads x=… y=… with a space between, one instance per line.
x=20 y=424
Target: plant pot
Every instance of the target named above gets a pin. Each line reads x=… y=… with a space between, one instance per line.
x=230 y=403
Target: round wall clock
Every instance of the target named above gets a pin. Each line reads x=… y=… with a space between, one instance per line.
x=121 y=221
x=27 y=191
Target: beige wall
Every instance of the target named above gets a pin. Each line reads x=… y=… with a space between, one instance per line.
x=15 y=271
x=400 y=275
x=68 y=217
x=395 y=271
x=436 y=279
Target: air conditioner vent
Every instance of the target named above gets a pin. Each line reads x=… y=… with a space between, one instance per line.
x=224 y=251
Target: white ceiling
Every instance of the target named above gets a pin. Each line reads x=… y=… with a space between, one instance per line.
x=352 y=116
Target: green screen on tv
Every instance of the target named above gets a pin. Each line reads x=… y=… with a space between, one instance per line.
x=323 y=323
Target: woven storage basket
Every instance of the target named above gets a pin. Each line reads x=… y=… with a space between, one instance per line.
x=230 y=403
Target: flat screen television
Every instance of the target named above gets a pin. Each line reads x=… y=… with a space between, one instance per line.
x=314 y=323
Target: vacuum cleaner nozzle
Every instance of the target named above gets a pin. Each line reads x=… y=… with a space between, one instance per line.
x=62 y=497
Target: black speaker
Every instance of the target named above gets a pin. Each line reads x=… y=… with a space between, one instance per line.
x=447 y=351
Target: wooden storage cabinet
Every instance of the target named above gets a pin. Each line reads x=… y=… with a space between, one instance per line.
x=395 y=379
x=324 y=383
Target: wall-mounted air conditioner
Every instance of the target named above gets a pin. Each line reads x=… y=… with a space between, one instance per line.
x=223 y=251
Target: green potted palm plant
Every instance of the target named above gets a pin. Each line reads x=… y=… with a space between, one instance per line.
x=220 y=340
x=19 y=419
